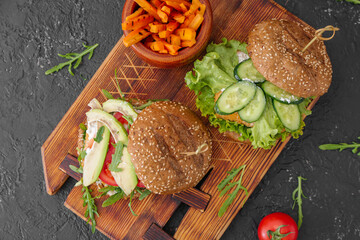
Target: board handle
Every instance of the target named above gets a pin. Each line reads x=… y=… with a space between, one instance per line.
x=192 y=196
x=156 y=233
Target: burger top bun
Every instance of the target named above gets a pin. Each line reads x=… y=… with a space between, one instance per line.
x=162 y=143
x=275 y=49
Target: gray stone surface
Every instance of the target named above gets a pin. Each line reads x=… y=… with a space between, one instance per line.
x=33 y=32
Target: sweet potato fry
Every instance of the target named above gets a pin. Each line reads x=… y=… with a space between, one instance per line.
x=173 y=50
x=187 y=21
x=188 y=43
x=149 y=8
x=194 y=6
x=135 y=36
x=157 y=27
x=137 y=22
x=196 y=22
x=183 y=7
x=155 y=3
x=202 y=9
x=186 y=3
x=135 y=14
x=177 y=16
x=164 y=34
x=174 y=5
x=174 y=40
x=186 y=34
x=166 y=10
x=157 y=46
x=163 y=16
x=171 y=26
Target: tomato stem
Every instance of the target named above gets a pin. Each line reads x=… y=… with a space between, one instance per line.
x=276 y=235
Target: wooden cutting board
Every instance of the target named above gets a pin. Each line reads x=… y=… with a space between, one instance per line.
x=233 y=19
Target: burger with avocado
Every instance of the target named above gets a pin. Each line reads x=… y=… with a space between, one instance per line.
x=258 y=91
x=132 y=148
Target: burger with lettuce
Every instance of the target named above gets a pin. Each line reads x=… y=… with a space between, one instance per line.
x=259 y=91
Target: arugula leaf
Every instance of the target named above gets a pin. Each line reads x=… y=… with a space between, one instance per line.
x=99 y=134
x=296 y=196
x=81 y=156
x=131 y=197
x=342 y=146
x=151 y=101
x=75 y=169
x=107 y=94
x=143 y=193
x=350 y=1
x=226 y=185
x=116 y=157
x=82 y=126
x=73 y=57
x=114 y=198
x=91 y=209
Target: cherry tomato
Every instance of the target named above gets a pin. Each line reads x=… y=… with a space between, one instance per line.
x=123 y=121
x=279 y=226
x=140 y=184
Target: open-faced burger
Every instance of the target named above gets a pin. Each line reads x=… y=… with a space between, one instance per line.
x=258 y=91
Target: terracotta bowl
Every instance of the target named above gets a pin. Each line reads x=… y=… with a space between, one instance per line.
x=186 y=55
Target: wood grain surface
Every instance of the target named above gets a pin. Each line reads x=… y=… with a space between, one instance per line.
x=233 y=20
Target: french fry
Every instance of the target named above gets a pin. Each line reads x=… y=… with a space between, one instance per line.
x=164 y=51
x=155 y=3
x=183 y=7
x=156 y=37
x=196 y=22
x=188 y=43
x=135 y=14
x=149 y=8
x=163 y=16
x=171 y=26
x=186 y=34
x=137 y=22
x=135 y=36
x=156 y=27
x=174 y=5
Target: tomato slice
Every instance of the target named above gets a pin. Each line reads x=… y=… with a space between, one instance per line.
x=105 y=174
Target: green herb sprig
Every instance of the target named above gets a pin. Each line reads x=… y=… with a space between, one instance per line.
x=99 y=134
x=91 y=209
x=131 y=197
x=107 y=94
x=143 y=193
x=116 y=157
x=225 y=185
x=74 y=58
x=296 y=196
x=350 y=1
x=151 y=101
x=114 y=198
x=342 y=146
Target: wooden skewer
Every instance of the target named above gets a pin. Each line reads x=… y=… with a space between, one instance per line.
x=318 y=35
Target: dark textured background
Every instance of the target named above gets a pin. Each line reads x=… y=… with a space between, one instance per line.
x=32 y=32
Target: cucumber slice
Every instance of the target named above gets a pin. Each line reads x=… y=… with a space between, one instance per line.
x=235 y=97
x=279 y=94
x=246 y=71
x=289 y=114
x=253 y=111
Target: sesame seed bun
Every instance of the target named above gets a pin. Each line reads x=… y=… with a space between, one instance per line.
x=275 y=49
x=158 y=139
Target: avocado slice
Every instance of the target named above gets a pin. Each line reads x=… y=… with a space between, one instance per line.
x=116 y=128
x=118 y=105
x=126 y=179
x=94 y=159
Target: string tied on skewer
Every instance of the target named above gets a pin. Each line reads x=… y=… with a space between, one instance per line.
x=201 y=149
x=319 y=33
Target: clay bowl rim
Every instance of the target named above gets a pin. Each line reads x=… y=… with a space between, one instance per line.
x=186 y=55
